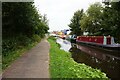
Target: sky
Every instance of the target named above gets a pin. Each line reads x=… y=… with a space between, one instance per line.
x=60 y=12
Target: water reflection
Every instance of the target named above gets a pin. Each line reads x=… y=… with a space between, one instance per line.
x=65 y=45
x=97 y=59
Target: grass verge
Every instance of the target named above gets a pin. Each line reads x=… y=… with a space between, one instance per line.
x=63 y=66
x=12 y=55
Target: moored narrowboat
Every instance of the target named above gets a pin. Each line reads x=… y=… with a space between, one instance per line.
x=106 y=42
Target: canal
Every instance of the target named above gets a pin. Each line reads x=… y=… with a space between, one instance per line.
x=104 y=60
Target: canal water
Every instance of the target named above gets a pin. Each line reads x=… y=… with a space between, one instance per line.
x=65 y=45
x=101 y=59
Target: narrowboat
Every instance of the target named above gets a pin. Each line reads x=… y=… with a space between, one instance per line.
x=106 y=42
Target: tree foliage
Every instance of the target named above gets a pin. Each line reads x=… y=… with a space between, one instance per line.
x=21 y=18
x=91 y=21
x=116 y=19
x=111 y=20
x=75 y=23
x=21 y=25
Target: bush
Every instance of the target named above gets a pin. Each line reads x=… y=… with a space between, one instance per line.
x=36 y=38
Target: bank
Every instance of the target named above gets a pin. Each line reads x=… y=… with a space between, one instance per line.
x=63 y=66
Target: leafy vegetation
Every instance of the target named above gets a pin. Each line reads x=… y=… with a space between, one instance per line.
x=63 y=66
x=100 y=20
x=22 y=27
x=75 y=23
x=91 y=21
x=111 y=16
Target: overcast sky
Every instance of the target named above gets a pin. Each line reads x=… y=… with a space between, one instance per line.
x=60 y=12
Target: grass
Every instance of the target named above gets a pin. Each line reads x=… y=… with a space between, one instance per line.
x=63 y=66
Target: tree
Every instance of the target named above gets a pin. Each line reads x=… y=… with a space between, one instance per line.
x=21 y=18
x=21 y=25
x=91 y=20
x=116 y=20
x=111 y=20
x=75 y=23
x=45 y=22
x=107 y=23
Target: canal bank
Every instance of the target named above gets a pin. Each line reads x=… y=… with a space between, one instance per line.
x=63 y=66
x=32 y=65
x=106 y=61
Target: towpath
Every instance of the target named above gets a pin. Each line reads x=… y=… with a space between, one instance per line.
x=33 y=64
